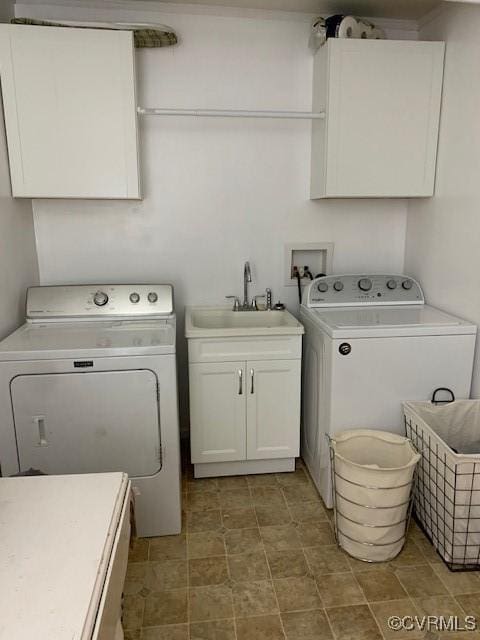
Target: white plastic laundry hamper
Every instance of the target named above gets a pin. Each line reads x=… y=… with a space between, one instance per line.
x=447 y=493
x=372 y=475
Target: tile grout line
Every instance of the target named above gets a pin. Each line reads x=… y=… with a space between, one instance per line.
x=372 y=613
x=270 y=573
x=320 y=595
x=382 y=635
x=310 y=483
x=350 y=571
x=187 y=553
x=230 y=575
x=409 y=597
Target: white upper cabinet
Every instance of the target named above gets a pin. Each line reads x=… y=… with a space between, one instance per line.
x=382 y=102
x=70 y=112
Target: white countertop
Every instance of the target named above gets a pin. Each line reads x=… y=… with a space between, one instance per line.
x=56 y=536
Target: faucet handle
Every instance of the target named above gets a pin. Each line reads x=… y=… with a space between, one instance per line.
x=268 y=293
x=254 y=301
x=236 y=303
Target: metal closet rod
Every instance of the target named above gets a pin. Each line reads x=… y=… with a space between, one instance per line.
x=232 y=113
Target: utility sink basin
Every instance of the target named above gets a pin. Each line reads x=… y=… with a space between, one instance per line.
x=203 y=322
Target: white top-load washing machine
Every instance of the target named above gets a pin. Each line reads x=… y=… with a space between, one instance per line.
x=63 y=556
x=88 y=384
x=371 y=343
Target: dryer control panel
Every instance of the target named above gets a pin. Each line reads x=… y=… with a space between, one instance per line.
x=97 y=301
x=352 y=290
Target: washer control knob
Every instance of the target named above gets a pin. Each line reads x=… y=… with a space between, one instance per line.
x=100 y=298
x=392 y=284
x=134 y=297
x=152 y=296
x=407 y=284
x=365 y=284
x=338 y=285
x=322 y=287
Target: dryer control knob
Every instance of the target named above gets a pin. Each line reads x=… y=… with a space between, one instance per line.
x=338 y=285
x=322 y=287
x=152 y=296
x=365 y=284
x=134 y=297
x=392 y=284
x=100 y=298
x=407 y=284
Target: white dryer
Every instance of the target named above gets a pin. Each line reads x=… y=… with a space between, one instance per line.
x=371 y=343
x=88 y=384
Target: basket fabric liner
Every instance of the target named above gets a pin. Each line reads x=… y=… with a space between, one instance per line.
x=373 y=477
x=447 y=497
x=456 y=423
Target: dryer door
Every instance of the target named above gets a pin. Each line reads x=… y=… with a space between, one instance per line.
x=88 y=422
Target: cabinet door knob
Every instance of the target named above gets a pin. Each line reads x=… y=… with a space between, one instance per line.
x=252 y=379
x=240 y=382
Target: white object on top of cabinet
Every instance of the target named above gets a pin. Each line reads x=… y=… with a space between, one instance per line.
x=382 y=101
x=70 y=112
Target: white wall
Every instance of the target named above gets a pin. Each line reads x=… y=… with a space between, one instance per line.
x=217 y=192
x=6 y=11
x=18 y=259
x=443 y=233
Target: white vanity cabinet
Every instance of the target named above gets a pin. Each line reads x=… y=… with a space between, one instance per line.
x=381 y=100
x=244 y=398
x=70 y=112
x=244 y=410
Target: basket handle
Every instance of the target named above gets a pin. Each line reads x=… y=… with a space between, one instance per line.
x=447 y=390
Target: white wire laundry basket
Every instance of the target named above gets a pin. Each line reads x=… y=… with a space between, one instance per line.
x=447 y=493
x=372 y=479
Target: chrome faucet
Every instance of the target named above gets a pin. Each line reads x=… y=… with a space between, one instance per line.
x=247 y=277
x=246 y=305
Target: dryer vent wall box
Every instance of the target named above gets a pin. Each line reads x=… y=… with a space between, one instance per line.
x=382 y=101
x=70 y=112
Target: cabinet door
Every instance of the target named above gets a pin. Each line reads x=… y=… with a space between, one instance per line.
x=217 y=411
x=69 y=102
x=273 y=409
x=382 y=100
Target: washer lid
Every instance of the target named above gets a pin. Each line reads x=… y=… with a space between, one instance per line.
x=81 y=340
x=351 y=322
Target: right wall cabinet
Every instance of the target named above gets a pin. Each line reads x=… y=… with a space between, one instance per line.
x=381 y=100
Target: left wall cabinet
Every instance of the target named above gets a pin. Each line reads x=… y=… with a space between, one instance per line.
x=70 y=112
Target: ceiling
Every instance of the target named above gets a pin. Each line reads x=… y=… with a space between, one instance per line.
x=398 y=9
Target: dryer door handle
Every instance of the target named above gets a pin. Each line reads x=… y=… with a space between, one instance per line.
x=42 y=438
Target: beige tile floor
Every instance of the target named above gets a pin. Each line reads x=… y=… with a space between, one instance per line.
x=257 y=560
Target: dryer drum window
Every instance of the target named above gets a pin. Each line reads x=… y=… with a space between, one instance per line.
x=90 y=422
